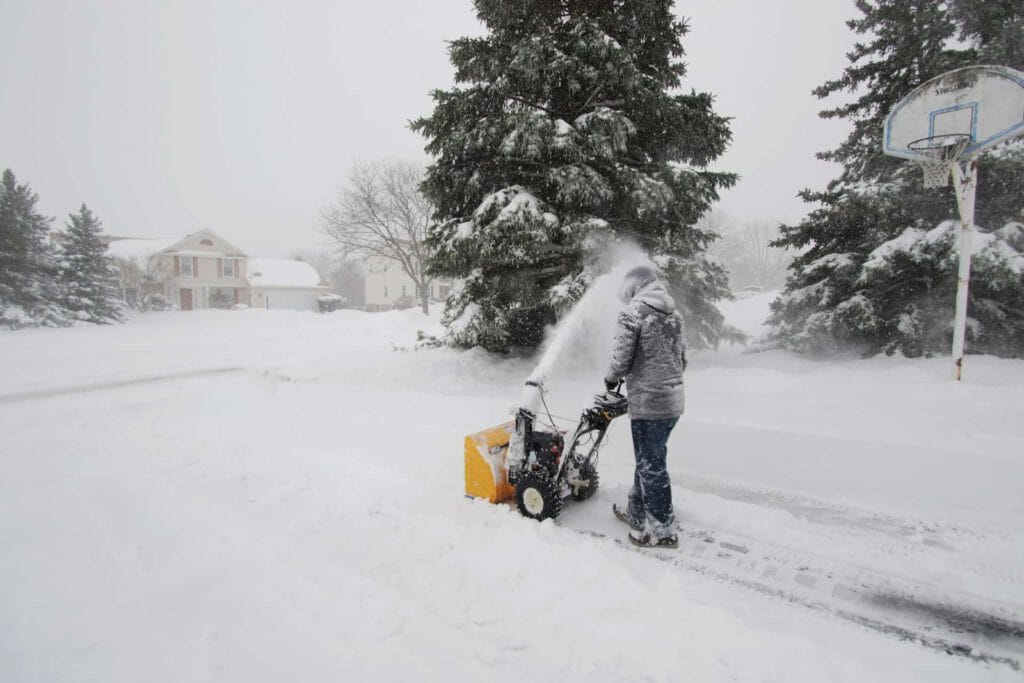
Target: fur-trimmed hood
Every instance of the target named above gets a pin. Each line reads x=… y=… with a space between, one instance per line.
x=641 y=284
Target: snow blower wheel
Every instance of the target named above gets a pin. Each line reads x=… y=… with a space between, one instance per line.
x=582 y=491
x=537 y=498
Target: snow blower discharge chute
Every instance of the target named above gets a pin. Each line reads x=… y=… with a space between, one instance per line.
x=535 y=465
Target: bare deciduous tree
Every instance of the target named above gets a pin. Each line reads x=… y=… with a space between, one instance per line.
x=343 y=274
x=380 y=211
x=745 y=250
x=767 y=264
x=725 y=249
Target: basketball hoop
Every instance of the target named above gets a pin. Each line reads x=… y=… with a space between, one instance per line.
x=938 y=153
x=945 y=122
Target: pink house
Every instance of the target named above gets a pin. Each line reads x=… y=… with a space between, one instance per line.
x=203 y=270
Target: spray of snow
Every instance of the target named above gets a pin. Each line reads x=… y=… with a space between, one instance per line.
x=582 y=339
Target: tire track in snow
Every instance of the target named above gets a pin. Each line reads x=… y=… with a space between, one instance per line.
x=112 y=383
x=886 y=533
x=961 y=626
x=815 y=510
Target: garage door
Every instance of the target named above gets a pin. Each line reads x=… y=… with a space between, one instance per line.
x=292 y=299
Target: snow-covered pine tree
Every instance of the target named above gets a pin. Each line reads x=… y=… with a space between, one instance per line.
x=835 y=299
x=88 y=277
x=918 y=262
x=566 y=131
x=29 y=294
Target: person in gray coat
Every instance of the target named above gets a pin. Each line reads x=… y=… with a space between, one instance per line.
x=650 y=354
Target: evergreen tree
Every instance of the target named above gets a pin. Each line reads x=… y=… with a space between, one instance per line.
x=89 y=280
x=28 y=289
x=565 y=133
x=834 y=298
x=994 y=27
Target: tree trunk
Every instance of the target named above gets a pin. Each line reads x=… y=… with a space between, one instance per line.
x=425 y=298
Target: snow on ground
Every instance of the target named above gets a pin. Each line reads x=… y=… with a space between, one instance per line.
x=302 y=516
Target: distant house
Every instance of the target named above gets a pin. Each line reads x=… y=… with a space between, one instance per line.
x=204 y=270
x=387 y=286
x=279 y=283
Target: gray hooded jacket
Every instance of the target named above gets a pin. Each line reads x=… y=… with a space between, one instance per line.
x=649 y=350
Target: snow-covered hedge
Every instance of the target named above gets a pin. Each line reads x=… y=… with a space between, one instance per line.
x=331 y=302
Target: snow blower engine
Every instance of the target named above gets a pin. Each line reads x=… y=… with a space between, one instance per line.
x=535 y=465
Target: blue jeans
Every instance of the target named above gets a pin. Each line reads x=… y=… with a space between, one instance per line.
x=650 y=499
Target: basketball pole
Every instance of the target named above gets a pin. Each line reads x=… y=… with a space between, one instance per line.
x=965 y=181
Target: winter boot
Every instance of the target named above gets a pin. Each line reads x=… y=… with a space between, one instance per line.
x=623 y=516
x=644 y=539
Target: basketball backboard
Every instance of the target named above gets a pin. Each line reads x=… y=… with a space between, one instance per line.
x=972 y=109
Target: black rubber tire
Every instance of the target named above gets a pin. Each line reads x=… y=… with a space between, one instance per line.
x=533 y=488
x=589 y=472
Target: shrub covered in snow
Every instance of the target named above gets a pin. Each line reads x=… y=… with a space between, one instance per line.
x=154 y=302
x=404 y=302
x=331 y=302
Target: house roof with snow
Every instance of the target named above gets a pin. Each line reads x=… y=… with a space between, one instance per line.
x=281 y=273
x=138 y=251
x=197 y=240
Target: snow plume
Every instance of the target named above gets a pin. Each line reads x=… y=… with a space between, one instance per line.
x=582 y=339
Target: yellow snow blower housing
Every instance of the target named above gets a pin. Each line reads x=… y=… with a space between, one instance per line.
x=486 y=471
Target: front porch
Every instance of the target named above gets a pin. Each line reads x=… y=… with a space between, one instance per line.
x=209 y=296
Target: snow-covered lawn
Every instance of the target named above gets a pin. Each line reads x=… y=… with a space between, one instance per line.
x=300 y=516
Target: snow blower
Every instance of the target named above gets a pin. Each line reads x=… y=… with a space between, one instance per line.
x=534 y=465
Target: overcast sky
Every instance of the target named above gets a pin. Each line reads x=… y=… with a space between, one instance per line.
x=166 y=116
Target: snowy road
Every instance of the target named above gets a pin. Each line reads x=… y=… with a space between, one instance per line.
x=304 y=518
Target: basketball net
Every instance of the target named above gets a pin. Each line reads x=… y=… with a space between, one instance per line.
x=939 y=152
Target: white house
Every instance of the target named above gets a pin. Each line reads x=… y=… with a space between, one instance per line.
x=387 y=286
x=279 y=283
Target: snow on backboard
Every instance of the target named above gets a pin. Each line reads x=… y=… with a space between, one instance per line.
x=983 y=102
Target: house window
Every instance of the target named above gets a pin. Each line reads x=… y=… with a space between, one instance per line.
x=403 y=291
x=443 y=291
x=229 y=267
x=206 y=243
x=186 y=266
x=385 y=291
